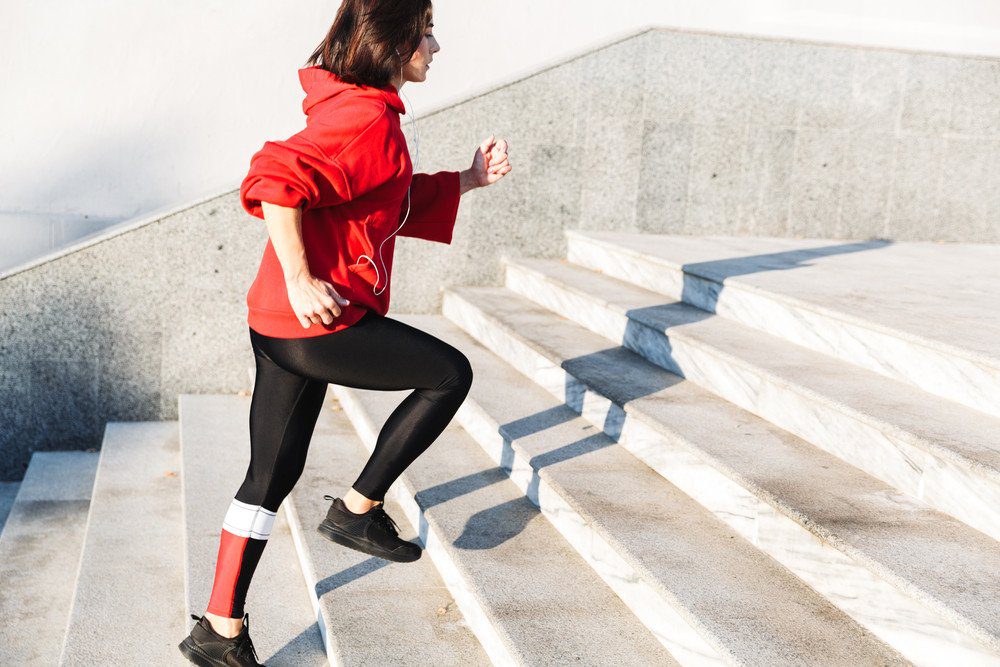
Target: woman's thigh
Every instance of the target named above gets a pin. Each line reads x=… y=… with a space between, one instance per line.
x=376 y=352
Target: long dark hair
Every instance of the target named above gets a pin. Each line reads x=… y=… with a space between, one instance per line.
x=361 y=45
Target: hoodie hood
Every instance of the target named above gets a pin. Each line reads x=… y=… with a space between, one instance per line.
x=321 y=85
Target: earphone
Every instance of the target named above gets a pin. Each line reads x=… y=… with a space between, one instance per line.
x=416 y=140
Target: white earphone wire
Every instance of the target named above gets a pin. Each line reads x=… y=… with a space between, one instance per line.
x=416 y=141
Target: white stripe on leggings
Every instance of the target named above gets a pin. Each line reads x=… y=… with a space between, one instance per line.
x=248 y=520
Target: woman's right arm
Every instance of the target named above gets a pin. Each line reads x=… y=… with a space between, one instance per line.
x=313 y=300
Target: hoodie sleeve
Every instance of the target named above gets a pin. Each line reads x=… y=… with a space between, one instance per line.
x=321 y=166
x=433 y=206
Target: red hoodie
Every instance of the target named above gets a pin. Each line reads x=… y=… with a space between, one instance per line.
x=348 y=169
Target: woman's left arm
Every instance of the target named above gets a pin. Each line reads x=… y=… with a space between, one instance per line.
x=434 y=197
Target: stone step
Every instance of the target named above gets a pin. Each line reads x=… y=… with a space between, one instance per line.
x=527 y=595
x=676 y=565
x=132 y=567
x=8 y=491
x=872 y=551
x=919 y=312
x=40 y=555
x=215 y=452
x=935 y=450
x=372 y=611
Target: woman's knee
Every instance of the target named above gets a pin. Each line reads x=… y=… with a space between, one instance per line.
x=459 y=374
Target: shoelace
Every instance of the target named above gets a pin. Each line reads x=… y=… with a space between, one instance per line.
x=386 y=521
x=246 y=643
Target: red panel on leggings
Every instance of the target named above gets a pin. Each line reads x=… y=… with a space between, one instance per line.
x=227 y=571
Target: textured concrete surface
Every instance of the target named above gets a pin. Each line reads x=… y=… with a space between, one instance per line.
x=665 y=131
x=668 y=553
x=870 y=549
x=375 y=612
x=215 y=451
x=132 y=565
x=40 y=555
x=528 y=596
x=919 y=312
x=938 y=451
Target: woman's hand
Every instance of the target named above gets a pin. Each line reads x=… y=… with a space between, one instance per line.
x=489 y=164
x=313 y=300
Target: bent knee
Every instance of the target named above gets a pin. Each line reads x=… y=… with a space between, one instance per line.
x=459 y=373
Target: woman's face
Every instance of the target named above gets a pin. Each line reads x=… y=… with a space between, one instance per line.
x=416 y=69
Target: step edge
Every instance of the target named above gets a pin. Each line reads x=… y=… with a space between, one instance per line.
x=733 y=282
x=888 y=428
x=964 y=625
x=481 y=619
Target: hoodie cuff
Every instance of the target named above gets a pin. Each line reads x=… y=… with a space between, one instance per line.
x=257 y=190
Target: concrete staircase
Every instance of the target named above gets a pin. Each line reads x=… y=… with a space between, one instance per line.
x=675 y=450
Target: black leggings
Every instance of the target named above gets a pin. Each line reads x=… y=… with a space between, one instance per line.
x=376 y=352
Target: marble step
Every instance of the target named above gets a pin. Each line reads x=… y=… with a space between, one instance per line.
x=526 y=594
x=678 y=567
x=372 y=611
x=132 y=567
x=215 y=452
x=922 y=313
x=40 y=554
x=935 y=450
x=8 y=491
x=872 y=551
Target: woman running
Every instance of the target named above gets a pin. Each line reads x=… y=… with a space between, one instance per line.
x=333 y=198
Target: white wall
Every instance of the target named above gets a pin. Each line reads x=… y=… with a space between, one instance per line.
x=113 y=109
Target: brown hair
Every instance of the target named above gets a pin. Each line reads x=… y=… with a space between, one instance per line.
x=361 y=45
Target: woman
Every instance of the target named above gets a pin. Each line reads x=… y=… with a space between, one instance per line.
x=333 y=198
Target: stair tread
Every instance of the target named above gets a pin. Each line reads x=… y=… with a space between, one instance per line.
x=215 y=452
x=134 y=532
x=885 y=285
x=908 y=539
x=752 y=605
x=539 y=595
x=40 y=554
x=952 y=429
x=375 y=611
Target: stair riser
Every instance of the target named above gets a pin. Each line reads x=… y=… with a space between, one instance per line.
x=673 y=626
x=948 y=374
x=40 y=551
x=134 y=538
x=455 y=578
x=898 y=458
x=851 y=585
x=309 y=572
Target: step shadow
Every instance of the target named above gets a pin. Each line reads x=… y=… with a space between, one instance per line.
x=348 y=575
x=623 y=376
x=715 y=272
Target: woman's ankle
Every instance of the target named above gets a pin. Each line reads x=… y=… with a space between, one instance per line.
x=224 y=625
x=357 y=503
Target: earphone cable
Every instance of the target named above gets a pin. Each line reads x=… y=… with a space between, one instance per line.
x=416 y=140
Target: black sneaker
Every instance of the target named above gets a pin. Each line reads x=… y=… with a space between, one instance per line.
x=207 y=648
x=373 y=532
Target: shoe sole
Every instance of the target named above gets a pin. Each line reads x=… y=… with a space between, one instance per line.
x=334 y=535
x=194 y=655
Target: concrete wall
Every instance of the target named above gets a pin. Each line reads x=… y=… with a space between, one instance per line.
x=666 y=131
x=167 y=101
